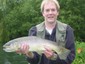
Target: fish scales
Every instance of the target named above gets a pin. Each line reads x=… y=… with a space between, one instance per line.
x=35 y=44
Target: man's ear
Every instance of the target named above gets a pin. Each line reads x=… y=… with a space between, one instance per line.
x=58 y=13
x=43 y=13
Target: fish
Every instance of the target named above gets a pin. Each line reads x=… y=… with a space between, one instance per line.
x=35 y=44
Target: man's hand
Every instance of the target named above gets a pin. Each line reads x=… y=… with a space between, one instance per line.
x=48 y=52
x=24 y=49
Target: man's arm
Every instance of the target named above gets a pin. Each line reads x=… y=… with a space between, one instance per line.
x=69 y=45
x=35 y=58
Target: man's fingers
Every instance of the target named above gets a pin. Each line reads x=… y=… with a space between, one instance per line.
x=24 y=48
x=48 y=52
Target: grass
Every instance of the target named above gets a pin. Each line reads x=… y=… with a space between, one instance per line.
x=80 y=53
x=13 y=58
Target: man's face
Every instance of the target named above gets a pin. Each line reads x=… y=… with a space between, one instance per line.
x=50 y=12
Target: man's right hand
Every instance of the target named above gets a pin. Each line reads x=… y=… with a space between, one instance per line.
x=24 y=49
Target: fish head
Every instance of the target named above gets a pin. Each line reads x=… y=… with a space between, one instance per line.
x=10 y=47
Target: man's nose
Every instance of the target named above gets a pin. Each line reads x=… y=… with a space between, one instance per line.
x=50 y=12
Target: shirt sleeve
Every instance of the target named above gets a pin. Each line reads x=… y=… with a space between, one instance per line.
x=70 y=44
x=35 y=59
x=32 y=31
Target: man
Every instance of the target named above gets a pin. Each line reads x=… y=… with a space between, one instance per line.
x=53 y=30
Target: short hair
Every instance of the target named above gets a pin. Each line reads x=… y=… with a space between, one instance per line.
x=45 y=1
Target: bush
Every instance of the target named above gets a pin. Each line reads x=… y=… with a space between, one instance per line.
x=80 y=53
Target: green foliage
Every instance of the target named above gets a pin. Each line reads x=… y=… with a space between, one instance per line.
x=18 y=16
x=80 y=57
x=1 y=31
x=72 y=12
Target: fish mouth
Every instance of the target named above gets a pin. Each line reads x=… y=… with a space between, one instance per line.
x=4 y=48
x=7 y=49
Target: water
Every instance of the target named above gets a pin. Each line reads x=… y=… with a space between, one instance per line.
x=11 y=58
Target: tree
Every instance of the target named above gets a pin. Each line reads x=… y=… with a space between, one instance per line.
x=17 y=16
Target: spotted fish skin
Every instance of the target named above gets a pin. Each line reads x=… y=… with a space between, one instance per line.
x=35 y=44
